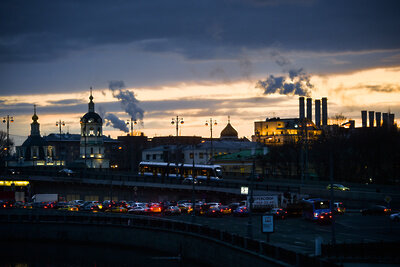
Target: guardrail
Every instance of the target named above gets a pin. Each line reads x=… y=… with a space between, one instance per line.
x=256 y=247
x=111 y=176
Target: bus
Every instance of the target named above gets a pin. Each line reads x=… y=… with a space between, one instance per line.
x=314 y=207
x=180 y=170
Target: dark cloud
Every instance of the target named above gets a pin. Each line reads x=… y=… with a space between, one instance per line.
x=46 y=30
x=115 y=122
x=66 y=102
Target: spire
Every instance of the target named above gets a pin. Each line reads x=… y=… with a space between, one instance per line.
x=35 y=131
x=229 y=119
x=91 y=104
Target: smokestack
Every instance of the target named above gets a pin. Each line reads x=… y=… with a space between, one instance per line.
x=391 y=119
x=385 y=119
x=309 y=108
x=378 y=119
x=324 y=111
x=318 y=112
x=371 y=115
x=301 y=107
x=364 y=118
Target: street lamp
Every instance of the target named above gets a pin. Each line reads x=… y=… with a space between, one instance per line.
x=59 y=124
x=177 y=121
x=7 y=120
x=131 y=122
x=211 y=123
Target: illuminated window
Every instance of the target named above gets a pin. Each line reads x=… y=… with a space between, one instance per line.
x=191 y=155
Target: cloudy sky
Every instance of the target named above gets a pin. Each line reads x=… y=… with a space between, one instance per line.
x=154 y=60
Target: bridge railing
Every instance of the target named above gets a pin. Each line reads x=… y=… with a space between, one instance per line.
x=260 y=248
x=123 y=177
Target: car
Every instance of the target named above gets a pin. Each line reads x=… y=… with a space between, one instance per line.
x=395 y=217
x=339 y=187
x=189 y=181
x=185 y=207
x=138 y=210
x=117 y=209
x=69 y=207
x=154 y=208
x=66 y=171
x=172 y=210
x=213 y=211
x=339 y=208
x=225 y=210
x=376 y=210
x=278 y=213
x=241 y=211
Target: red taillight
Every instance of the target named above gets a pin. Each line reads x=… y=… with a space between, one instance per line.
x=385 y=210
x=330 y=216
x=322 y=216
x=221 y=210
x=213 y=211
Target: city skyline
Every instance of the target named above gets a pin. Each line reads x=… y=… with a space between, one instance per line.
x=203 y=60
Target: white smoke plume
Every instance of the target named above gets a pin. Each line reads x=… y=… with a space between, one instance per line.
x=127 y=99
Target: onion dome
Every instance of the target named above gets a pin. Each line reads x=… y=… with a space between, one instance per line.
x=91 y=116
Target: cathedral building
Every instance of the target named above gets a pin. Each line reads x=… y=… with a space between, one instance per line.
x=35 y=151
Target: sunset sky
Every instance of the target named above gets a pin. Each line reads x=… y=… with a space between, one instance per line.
x=194 y=59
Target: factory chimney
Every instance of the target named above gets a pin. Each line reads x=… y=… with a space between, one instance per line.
x=371 y=115
x=318 y=112
x=324 y=111
x=378 y=119
x=364 y=118
x=309 y=108
x=385 y=119
x=301 y=107
x=391 y=119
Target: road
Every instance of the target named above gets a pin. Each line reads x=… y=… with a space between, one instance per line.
x=299 y=234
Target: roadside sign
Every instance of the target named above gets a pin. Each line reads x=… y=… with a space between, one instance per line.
x=244 y=190
x=267 y=223
x=388 y=199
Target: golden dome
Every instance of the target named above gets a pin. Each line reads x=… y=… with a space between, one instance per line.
x=229 y=132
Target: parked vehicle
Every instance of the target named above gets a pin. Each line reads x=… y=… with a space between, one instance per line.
x=376 y=210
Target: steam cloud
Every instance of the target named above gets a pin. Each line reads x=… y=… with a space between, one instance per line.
x=296 y=82
x=112 y=120
x=115 y=122
x=127 y=98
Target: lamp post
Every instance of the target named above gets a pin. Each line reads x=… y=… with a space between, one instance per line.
x=7 y=120
x=131 y=122
x=211 y=123
x=177 y=121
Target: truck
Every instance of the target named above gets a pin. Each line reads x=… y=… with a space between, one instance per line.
x=262 y=203
x=45 y=198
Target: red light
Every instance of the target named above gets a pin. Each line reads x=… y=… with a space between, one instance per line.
x=322 y=217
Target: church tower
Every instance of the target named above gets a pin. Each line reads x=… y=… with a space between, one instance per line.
x=91 y=145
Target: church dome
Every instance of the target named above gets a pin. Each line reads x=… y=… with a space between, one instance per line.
x=91 y=117
x=229 y=132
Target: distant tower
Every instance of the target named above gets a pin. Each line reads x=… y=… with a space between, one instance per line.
x=91 y=146
x=364 y=118
x=301 y=107
x=309 y=108
x=317 y=112
x=324 y=111
x=378 y=119
x=371 y=115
